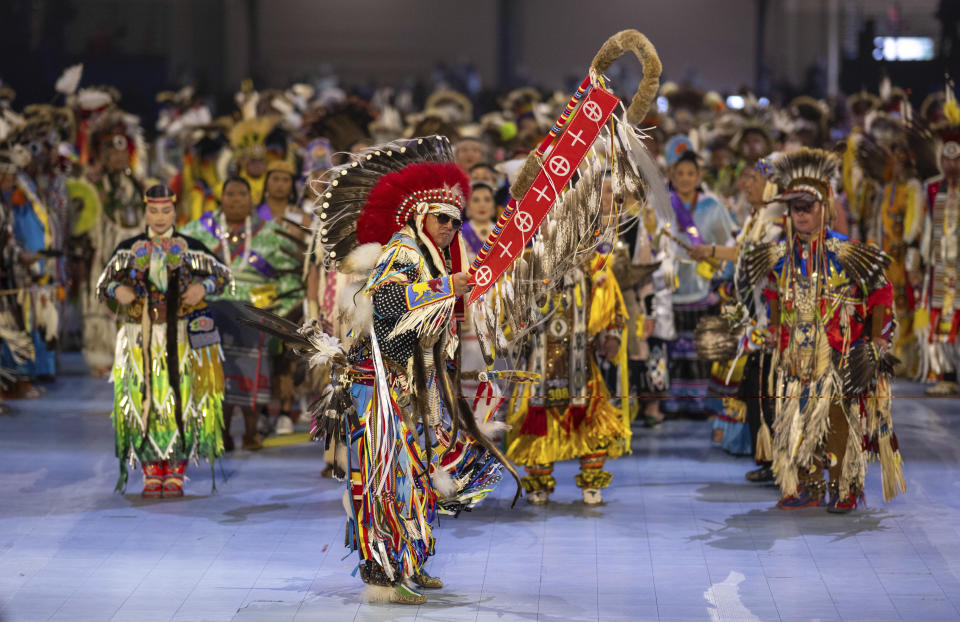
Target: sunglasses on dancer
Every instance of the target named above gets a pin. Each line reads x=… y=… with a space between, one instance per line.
x=803 y=206
x=443 y=219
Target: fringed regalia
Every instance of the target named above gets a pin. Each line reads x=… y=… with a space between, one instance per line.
x=167 y=374
x=937 y=319
x=829 y=301
x=734 y=383
x=264 y=274
x=407 y=440
x=897 y=156
x=112 y=212
x=413 y=329
x=16 y=342
x=552 y=300
x=833 y=391
x=35 y=284
x=567 y=414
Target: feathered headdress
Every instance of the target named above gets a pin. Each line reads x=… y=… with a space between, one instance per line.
x=371 y=198
x=805 y=171
x=248 y=137
x=399 y=195
x=452 y=105
x=886 y=134
x=50 y=123
x=120 y=130
x=862 y=103
x=949 y=129
x=809 y=114
x=931 y=110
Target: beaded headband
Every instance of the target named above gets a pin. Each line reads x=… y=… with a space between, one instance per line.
x=427 y=201
x=160 y=200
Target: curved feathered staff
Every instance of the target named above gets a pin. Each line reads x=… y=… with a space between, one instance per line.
x=572 y=225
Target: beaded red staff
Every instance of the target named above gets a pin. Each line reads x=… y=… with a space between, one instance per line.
x=548 y=169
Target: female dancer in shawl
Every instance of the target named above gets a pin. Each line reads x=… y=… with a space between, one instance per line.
x=168 y=382
x=265 y=274
x=699 y=220
x=402 y=313
x=830 y=321
x=481 y=215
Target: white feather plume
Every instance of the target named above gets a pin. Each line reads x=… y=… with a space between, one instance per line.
x=443 y=483
x=325 y=347
x=69 y=80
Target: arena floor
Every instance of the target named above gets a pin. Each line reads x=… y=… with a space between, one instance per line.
x=681 y=536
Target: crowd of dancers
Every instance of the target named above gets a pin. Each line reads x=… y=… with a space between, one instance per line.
x=771 y=267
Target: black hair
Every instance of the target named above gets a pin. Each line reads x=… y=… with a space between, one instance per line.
x=493 y=196
x=485 y=165
x=291 y=199
x=235 y=179
x=689 y=156
x=160 y=191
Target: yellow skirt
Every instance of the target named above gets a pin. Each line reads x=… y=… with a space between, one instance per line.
x=544 y=435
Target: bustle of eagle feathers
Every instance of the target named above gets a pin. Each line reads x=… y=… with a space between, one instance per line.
x=378 y=220
x=864 y=263
x=346 y=189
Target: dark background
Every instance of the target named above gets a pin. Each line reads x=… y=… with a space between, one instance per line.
x=776 y=48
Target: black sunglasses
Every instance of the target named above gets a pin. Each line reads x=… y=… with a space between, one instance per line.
x=445 y=218
x=802 y=207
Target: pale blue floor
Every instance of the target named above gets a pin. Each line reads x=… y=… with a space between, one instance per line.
x=682 y=536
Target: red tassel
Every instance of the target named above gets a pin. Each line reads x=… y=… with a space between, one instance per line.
x=574 y=417
x=535 y=423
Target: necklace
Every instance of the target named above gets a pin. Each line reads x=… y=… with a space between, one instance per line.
x=223 y=234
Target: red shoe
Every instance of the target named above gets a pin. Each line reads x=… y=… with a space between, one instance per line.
x=152 y=480
x=803 y=499
x=173 y=479
x=844 y=506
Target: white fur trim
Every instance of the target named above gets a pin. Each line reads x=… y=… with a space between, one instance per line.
x=361 y=260
x=443 y=483
x=493 y=429
x=340 y=456
x=377 y=594
x=356 y=309
x=347 y=503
